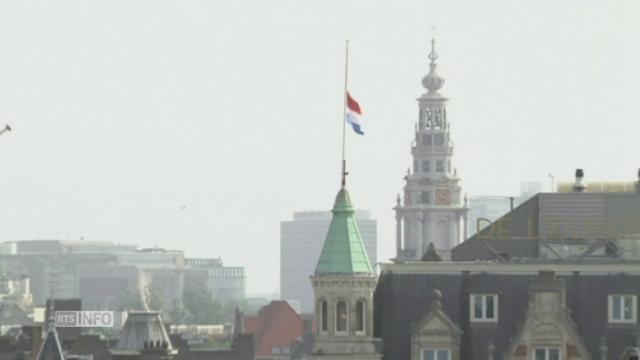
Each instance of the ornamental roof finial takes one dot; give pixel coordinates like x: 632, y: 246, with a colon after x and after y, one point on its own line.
x: 433, y: 56
x: 432, y: 81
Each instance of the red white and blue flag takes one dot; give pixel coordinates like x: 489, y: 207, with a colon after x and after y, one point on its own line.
x: 353, y: 115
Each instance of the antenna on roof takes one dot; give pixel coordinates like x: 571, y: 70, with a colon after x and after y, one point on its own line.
x: 51, y: 318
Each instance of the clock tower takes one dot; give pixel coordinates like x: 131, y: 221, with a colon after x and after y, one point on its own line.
x: 432, y: 209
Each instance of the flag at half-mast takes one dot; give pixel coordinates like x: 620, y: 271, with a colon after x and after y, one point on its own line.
x: 353, y: 114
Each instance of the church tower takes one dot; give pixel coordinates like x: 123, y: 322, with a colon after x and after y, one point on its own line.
x: 433, y: 210
x: 344, y: 283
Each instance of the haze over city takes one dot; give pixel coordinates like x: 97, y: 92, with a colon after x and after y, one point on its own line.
x: 201, y: 126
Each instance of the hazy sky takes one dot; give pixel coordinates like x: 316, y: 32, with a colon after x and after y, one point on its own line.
x: 200, y: 125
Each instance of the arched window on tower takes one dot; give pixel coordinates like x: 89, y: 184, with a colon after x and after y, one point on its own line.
x: 438, y: 119
x: 360, y: 317
x: 429, y: 117
x: 341, y: 317
x: 324, y: 319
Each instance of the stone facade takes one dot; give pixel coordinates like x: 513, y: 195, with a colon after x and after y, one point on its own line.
x: 435, y: 335
x: 344, y: 317
x: 548, y: 327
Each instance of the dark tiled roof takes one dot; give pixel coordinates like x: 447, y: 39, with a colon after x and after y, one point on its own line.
x: 241, y: 349
x: 554, y: 216
x: 403, y: 299
x: 91, y: 345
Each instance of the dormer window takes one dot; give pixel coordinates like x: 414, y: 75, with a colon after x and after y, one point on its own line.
x: 436, y: 354
x: 484, y: 307
x: 425, y: 166
x: 546, y: 353
x: 623, y: 309
x: 439, y: 166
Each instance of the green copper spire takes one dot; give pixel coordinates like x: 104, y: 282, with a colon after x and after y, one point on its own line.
x: 343, y: 251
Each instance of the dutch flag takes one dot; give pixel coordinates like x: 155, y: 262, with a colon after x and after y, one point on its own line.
x: 353, y: 114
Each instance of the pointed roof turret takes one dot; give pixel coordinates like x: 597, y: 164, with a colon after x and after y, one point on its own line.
x: 343, y: 252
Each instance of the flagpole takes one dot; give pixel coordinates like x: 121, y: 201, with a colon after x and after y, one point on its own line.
x: 344, y: 114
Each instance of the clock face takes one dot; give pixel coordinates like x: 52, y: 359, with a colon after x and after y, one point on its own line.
x: 442, y: 197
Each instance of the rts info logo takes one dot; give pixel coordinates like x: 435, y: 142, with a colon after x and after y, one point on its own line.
x: 84, y: 318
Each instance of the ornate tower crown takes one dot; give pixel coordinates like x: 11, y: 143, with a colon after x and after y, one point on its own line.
x: 432, y: 81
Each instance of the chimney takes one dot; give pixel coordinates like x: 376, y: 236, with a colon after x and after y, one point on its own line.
x: 578, y: 186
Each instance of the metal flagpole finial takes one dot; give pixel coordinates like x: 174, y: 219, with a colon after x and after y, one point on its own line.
x: 50, y: 322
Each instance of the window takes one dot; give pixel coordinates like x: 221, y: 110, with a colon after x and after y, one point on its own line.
x: 360, y: 315
x: 439, y: 166
x: 484, y: 307
x: 436, y: 354
x: 341, y: 317
x: 426, y: 139
x: 425, y: 166
x: 425, y: 197
x: 324, y: 326
x: 449, y: 166
x: 439, y: 139
x: 546, y: 353
x: 622, y: 308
